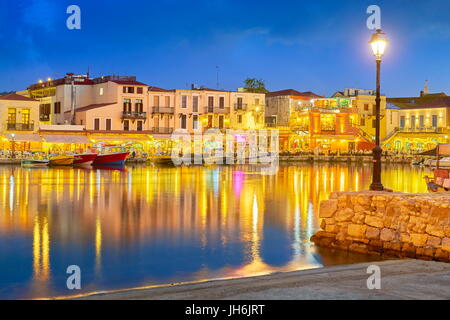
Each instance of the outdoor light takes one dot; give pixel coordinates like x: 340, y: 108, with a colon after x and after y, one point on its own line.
x: 378, y: 42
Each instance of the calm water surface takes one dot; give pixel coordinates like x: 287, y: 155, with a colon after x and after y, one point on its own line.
x: 144, y: 225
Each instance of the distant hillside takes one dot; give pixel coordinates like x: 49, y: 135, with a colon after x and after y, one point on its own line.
x: 6, y: 92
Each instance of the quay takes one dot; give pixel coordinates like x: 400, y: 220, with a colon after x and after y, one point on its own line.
x: 400, y: 279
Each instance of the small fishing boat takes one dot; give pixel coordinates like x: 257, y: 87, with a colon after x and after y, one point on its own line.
x: 111, y: 156
x: 84, y: 159
x: 61, y: 160
x: 164, y: 160
x: 34, y: 163
x: 441, y: 174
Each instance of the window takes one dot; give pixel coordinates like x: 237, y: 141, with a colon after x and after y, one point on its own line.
x: 57, y: 108
x: 96, y: 124
x: 26, y: 116
x: 184, y: 102
x: 220, y: 122
x: 167, y: 101
x: 139, y: 106
x: 421, y: 121
x: 362, y: 122
x: 256, y: 102
x: 156, y: 101
x: 195, y: 121
x: 374, y: 124
x: 221, y: 102
x: 239, y: 118
x: 108, y: 124
x: 44, y: 112
x: 434, y: 120
x: 210, y: 101
x: 413, y: 122
x: 100, y: 91
x: 139, y: 90
x: 366, y: 107
x: 183, y: 121
x: 126, y: 125
x: 128, y: 89
x: 195, y: 104
x: 126, y: 105
x: 11, y: 115
x: 139, y: 126
x: 239, y: 103
x: 210, y: 121
x: 402, y: 121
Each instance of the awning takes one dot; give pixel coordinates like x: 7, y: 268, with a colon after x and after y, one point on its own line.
x: 69, y: 138
x: 99, y: 138
x: 23, y: 137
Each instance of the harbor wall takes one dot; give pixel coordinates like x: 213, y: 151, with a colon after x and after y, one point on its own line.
x: 380, y: 223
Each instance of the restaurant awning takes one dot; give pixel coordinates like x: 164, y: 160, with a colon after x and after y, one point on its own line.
x: 122, y: 138
x: 69, y: 138
x: 23, y: 137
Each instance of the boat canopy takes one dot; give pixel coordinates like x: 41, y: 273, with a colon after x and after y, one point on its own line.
x: 68, y: 138
x: 443, y: 149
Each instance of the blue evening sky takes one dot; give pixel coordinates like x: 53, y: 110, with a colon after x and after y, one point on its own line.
x: 318, y: 45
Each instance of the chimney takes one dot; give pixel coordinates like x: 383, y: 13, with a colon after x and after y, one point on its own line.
x: 425, y: 90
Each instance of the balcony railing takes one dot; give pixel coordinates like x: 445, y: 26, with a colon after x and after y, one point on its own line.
x: 429, y: 129
x: 216, y: 110
x: 300, y: 128
x: 163, y: 110
x: 20, y: 126
x: 44, y: 117
x: 240, y: 107
x: 134, y: 115
x: 162, y: 130
x: 328, y: 128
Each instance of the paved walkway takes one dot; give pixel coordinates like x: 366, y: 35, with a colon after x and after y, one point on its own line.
x: 400, y: 279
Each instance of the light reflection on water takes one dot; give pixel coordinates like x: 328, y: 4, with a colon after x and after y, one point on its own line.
x: 147, y: 225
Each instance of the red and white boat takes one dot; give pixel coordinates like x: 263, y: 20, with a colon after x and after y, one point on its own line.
x: 111, y: 156
x: 84, y: 159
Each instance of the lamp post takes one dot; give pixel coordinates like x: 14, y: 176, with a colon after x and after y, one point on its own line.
x: 378, y: 43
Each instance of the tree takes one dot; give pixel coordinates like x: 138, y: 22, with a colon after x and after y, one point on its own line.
x: 255, y: 85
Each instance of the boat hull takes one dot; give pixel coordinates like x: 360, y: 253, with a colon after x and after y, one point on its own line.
x: 61, y: 161
x: 111, y: 159
x: 34, y: 163
x: 86, y: 159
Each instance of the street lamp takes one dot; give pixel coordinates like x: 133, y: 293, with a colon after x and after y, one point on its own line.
x: 378, y: 42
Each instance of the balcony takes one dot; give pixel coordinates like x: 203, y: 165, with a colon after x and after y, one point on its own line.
x: 169, y: 110
x: 240, y: 107
x: 300, y: 127
x: 216, y: 110
x: 162, y: 130
x: 44, y: 117
x: 20, y: 126
x: 424, y: 130
x: 134, y: 115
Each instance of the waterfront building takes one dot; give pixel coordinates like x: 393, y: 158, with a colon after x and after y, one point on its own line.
x: 421, y: 122
x: 307, y: 122
x: 19, y: 119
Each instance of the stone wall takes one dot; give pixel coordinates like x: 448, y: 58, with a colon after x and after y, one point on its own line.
x: 379, y: 223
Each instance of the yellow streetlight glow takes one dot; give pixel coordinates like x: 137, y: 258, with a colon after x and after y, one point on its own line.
x: 378, y: 42
x: 49, y: 79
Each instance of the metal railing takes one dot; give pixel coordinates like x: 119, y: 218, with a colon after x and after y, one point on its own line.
x: 163, y: 110
x: 44, y: 117
x: 216, y: 110
x: 20, y: 126
x: 429, y: 129
x: 134, y: 115
x: 240, y: 106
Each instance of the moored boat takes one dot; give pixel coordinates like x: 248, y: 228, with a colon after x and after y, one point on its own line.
x: 61, y: 160
x: 34, y: 163
x: 84, y: 159
x: 111, y: 156
x: 164, y: 160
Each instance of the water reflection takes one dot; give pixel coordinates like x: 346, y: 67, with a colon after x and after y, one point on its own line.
x: 147, y: 225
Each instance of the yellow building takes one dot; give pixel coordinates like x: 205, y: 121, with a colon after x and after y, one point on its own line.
x: 19, y: 119
x: 422, y: 122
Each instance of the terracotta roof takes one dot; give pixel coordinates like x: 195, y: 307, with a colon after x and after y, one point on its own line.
x: 292, y: 92
x: 427, y: 101
x: 91, y: 106
x: 129, y: 83
x: 15, y: 96
x: 156, y: 89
